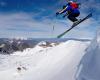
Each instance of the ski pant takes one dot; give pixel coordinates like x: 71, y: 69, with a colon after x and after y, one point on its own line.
x: 72, y: 16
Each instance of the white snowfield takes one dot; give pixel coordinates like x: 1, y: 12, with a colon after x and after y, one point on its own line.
x: 89, y: 68
x: 51, y: 63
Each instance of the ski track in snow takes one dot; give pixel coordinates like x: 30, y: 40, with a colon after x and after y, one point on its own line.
x: 52, y: 63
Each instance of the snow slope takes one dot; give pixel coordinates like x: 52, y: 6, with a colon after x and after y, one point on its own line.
x: 51, y: 63
x: 90, y: 63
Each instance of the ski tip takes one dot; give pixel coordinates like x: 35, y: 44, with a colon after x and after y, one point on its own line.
x: 58, y: 36
x: 90, y: 14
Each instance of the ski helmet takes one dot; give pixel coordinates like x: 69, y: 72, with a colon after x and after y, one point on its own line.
x: 70, y: 1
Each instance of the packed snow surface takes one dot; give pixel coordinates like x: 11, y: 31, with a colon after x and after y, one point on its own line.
x: 50, y: 63
x: 89, y: 68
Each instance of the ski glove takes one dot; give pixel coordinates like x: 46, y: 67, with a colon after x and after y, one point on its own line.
x: 57, y: 13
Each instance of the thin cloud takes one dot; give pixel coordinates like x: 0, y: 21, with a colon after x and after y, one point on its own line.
x: 3, y: 4
x: 24, y: 25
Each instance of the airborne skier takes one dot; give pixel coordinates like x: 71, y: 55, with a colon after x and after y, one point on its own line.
x: 71, y: 10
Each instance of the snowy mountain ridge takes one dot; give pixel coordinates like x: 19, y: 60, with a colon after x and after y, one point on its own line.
x: 68, y: 60
x: 11, y: 45
x: 39, y: 63
x: 90, y: 63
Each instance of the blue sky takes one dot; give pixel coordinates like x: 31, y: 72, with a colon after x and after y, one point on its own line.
x: 36, y: 18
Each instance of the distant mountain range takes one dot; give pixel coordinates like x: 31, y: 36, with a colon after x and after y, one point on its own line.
x: 8, y: 46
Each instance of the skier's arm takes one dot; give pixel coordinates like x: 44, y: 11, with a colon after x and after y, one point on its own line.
x: 63, y: 10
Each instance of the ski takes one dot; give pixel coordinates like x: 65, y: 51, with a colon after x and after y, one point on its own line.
x: 74, y: 25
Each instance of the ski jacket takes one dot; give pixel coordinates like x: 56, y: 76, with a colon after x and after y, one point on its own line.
x: 74, y: 5
x: 71, y: 10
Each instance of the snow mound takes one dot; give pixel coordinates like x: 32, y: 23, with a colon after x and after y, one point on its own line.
x: 42, y: 43
x: 40, y: 47
x: 90, y: 64
x: 47, y: 44
x: 51, y: 63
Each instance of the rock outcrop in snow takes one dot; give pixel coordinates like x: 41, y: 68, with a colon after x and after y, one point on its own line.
x: 90, y: 64
x: 8, y: 46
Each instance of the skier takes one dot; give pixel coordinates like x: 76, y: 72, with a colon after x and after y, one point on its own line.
x: 71, y: 10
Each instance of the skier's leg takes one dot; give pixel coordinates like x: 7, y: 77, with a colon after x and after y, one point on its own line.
x: 72, y: 18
